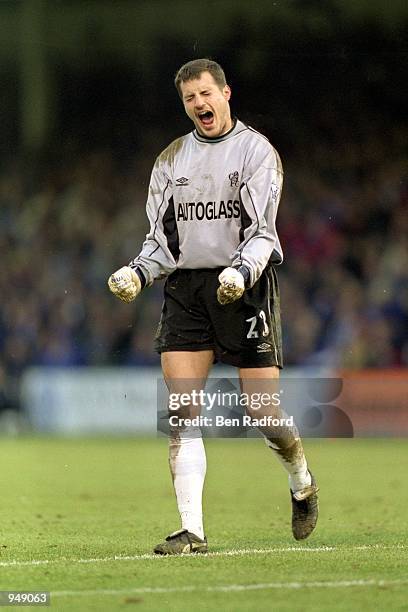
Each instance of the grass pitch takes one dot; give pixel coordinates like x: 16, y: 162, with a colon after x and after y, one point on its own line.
x: 79, y: 518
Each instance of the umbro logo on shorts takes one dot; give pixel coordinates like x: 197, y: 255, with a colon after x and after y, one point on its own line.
x: 263, y: 348
x: 180, y: 182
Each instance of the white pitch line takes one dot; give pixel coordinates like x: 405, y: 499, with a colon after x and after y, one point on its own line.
x: 21, y: 563
x: 227, y: 588
x: 148, y: 556
x: 226, y: 553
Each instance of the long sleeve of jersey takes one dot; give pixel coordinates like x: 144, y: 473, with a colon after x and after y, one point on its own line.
x: 156, y: 259
x: 260, y: 194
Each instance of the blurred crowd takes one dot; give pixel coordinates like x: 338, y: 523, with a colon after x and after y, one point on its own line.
x: 343, y: 225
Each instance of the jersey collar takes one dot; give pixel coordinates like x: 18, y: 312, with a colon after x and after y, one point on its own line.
x: 237, y: 127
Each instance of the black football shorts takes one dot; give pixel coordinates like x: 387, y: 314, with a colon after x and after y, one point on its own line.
x: 246, y: 333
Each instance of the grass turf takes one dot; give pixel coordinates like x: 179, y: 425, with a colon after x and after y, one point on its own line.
x: 76, y: 504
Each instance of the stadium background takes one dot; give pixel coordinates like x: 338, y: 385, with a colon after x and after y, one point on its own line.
x: 87, y: 102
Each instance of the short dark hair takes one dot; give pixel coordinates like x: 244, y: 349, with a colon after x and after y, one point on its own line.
x: 193, y: 70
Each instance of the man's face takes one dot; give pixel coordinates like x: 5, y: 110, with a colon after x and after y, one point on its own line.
x: 207, y: 105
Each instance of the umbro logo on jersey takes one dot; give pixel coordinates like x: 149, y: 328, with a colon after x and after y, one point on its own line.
x: 264, y: 348
x: 180, y: 182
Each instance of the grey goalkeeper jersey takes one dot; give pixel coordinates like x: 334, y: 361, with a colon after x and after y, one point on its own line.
x: 213, y: 203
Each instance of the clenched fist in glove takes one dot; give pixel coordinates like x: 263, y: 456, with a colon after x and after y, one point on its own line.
x: 232, y: 286
x: 125, y: 284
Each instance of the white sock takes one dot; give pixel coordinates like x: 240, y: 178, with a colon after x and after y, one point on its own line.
x: 188, y: 467
x: 299, y: 475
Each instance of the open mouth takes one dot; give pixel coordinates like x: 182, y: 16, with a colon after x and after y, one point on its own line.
x: 206, y: 118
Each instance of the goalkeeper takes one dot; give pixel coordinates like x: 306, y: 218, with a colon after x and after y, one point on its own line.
x: 212, y: 204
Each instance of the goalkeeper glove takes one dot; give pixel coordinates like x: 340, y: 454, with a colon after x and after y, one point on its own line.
x: 232, y: 286
x: 125, y: 284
